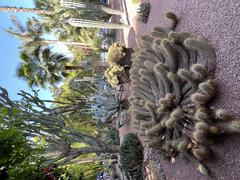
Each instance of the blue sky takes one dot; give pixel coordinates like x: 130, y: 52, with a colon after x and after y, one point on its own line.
x: 10, y: 53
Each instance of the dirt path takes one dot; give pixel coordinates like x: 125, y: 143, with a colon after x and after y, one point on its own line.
x: 218, y: 21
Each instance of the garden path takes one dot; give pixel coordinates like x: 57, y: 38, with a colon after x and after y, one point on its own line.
x: 219, y: 22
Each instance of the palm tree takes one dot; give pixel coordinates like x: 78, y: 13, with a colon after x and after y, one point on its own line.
x: 21, y: 9
x: 41, y: 66
x: 43, y: 7
x: 31, y: 34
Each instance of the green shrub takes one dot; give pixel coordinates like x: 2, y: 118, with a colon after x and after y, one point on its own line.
x: 131, y: 156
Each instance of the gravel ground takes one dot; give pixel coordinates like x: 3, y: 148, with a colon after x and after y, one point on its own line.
x: 219, y: 22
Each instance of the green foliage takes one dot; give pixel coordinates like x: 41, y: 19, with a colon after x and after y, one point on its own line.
x: 30, y: 168
x: 84, y: 125
x: 41, y: 66
x: 13, y: 145
x: 18, y: 157
x: 35, y: 119
x: 33, y: 33
x: 112, y: 136
x: 131, y: 156
x: 86, y: 171
x: 65, y: 91
x: 62, y: 173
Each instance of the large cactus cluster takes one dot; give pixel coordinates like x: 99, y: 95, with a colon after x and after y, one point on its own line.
x: 170, y: 94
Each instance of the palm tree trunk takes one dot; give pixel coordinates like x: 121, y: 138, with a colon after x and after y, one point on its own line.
x: 21, y: 9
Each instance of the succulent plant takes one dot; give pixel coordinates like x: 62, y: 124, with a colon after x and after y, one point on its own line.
x: 112, y: 74
x: 115, y: 52
x: 170, y: 94
x: 119, y: 63
x: 95, y: 24
x: 90, y: 6
x: 143, y: 11
x: 174, y: 19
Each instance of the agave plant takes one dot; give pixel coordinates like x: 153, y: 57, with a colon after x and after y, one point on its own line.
x: 103, y: 103
x: 106, y: 104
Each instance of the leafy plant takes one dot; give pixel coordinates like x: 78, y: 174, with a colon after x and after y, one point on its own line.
x: 131, y: 156
x: 112, y: 136
x: 17, y: 156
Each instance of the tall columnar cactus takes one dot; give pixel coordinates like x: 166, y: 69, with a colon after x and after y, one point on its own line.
x: 170, y: 96
x: 95, y: 24
x: 89, y: 6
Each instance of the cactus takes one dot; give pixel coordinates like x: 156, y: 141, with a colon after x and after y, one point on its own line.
x: 143, y: 12
x: 115, y: 52
x: 119, y: 64
x: 174, y: 19
x: 95, y: 24
x: 170, y: 96
x: 89, y: 6
x: 222, y: 114
x: 111, y: 74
